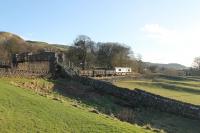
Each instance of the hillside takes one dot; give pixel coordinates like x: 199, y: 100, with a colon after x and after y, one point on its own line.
x: 25, y: 111
x: 12, y: 44
x: 87, y: 98
x: 45, y: 45
x: 169, y: 66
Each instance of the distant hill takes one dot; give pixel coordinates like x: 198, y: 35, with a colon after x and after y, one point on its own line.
x: 169, y: 66
x: 47, y: 46
x: 12, y: 44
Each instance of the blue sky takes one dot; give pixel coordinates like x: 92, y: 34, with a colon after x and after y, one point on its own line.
x: 161, y: 31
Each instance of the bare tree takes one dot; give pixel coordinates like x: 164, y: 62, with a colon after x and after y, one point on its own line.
x: 85, y: 49
x: 139, y: 64
x: 87, y: 54
x: 197, y: 62
x: 113, y: 54
x: 153, y: 68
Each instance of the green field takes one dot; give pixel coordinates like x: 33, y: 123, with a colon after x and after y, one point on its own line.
x: 24, y: 111
x: 183, y: 89
x: 67, y: 106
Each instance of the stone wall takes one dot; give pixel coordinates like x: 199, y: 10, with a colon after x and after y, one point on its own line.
x: 23, y: 73
x: 166, y: 104
x: 30, y: 69
x: 19, y: 73
x: 118, y: 78
x: 34, y: 66
x: 142, y: 98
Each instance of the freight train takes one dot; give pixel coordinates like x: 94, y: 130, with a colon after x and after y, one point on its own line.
x: 101, y: 72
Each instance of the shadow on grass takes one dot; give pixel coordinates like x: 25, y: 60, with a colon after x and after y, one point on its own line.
x: 113, y: 106
x: 172, y: 87
x: 177, y: 78
x: 178, y: 83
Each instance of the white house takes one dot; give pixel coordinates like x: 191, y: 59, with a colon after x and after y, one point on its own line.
x: 122, y: 70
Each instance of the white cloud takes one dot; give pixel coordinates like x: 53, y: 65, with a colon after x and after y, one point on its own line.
x: 155, y: 31
x: 173, y: 37
x: 178, y: 45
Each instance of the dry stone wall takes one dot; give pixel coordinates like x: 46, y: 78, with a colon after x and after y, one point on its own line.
x: 166, y: 104
x: 138, y: 97
x: 23, y: 73
x: 43, y: 66
x: 29, y: 69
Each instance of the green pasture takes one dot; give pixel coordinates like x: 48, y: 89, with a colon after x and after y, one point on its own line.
x: 24, y: 111
x: 186, y: 90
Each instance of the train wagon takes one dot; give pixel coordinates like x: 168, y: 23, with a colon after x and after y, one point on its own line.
x: 99, y: 73
x: 87, y: 73
x: 110, y: 72
x: 117, y: 71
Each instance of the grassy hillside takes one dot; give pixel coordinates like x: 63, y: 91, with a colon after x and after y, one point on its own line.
x: 9, y: 44
x: 44, y: 45
x: 87, y: 98
x: 183, y: 89
x: 25, y: 111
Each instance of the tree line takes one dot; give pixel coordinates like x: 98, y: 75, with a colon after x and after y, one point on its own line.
x: 87, y: 54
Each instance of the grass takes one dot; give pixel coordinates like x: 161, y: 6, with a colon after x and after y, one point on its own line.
x: 182, y: 89
x: 25, y: 111
x: 71, y: 110
x: 186, y: 90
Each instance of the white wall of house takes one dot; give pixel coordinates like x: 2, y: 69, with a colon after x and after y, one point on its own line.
x: 122, y: 69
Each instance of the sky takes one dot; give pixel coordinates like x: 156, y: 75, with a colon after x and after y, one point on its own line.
x: 162, y: 31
